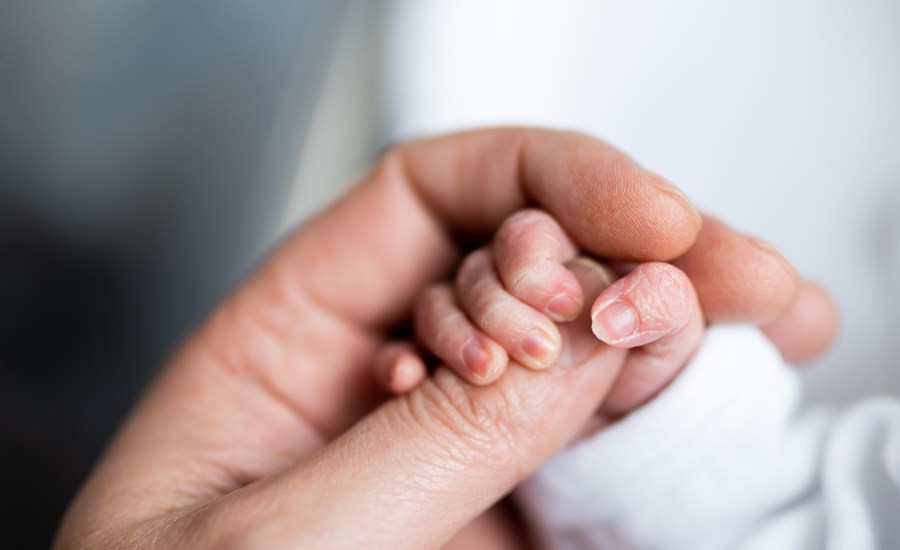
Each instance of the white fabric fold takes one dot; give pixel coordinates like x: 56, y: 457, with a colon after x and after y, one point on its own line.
x: 721, y: 459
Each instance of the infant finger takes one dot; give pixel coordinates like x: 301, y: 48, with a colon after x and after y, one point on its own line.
x: 527, y: 335
x: 655, y: 307
x: 398, y: 368
x: 444, y: 329
x: 530, y: 249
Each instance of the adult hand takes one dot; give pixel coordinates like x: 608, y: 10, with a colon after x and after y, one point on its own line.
x: 265, y: 429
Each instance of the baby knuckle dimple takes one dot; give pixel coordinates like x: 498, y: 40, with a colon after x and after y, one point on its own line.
x: 520, y: 225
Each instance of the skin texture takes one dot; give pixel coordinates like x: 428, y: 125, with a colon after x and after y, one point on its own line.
x: 730, y: 290
x: 808, y: 326
x: 501, y: 301
x: 665, y: 332
x: 266, y: 429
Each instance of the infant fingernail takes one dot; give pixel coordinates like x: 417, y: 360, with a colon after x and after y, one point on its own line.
x: 615, y: 322
x: 564, y: 307
x: 477, y: 359
x: 541, y: 348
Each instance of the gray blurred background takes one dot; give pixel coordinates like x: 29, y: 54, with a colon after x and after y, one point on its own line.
x: 147, y: 152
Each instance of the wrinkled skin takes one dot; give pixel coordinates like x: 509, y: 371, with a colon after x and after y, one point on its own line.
x: 265, y: 429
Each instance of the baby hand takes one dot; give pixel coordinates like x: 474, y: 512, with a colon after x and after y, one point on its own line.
x: 508, y: 297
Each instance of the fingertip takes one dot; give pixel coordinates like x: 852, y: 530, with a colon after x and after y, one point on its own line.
x: 739, y: 278
x: 541, y: 349
x: 564, y: 307
x: 406, y: 373
x: 779, y: 279
x: 609, y: 204
x: 484, y: 361
x: 685, y: 223
x: 649, y: 303
x: 398, y: 368
x: 526, y: 334
x: 445, y: 330
x: 614, y: 323
x: 808, y: 327
x: 668, y: 221
x: 382, y: 366
x: 477, y: 358
x: 669, y: 332
x: 528, y: 251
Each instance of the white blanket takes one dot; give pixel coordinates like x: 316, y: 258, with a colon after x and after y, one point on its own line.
x: 723, y: 459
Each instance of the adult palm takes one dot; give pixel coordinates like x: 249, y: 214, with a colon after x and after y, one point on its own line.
x: 266, y: 427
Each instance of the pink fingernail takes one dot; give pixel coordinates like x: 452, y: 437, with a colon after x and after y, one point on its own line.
x: 615, y: 322
x: 564, y: 307
x: 539, y: 347
x: 477, y: 359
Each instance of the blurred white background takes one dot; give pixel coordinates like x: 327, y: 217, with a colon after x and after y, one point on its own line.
x: 781, y: 118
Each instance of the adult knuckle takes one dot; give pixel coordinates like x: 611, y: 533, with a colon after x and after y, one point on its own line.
x: 471, y: 428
